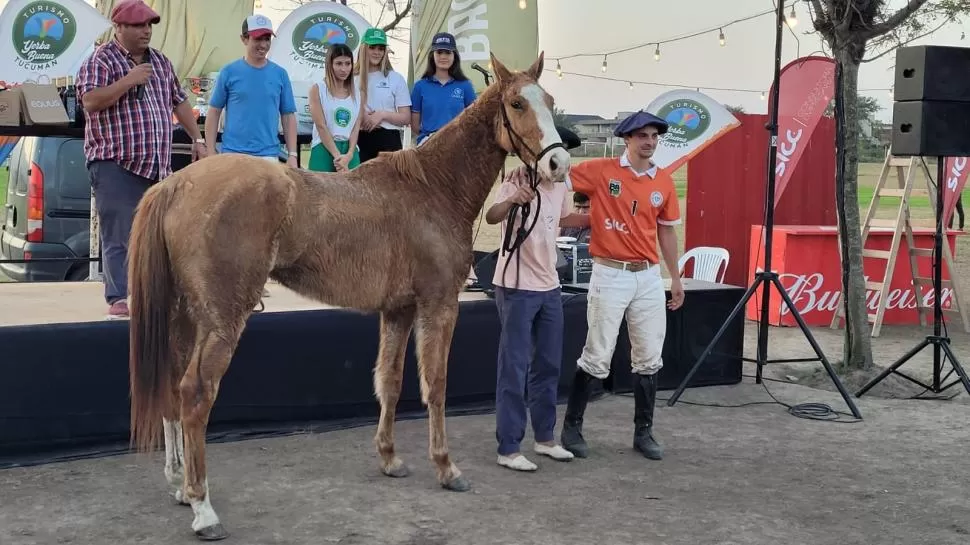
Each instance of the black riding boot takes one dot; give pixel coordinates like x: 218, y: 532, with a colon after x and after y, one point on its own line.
x: 572, y: 427
x: 645, y: 395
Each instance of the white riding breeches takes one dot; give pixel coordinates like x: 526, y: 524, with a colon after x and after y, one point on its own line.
x: 615, y: 294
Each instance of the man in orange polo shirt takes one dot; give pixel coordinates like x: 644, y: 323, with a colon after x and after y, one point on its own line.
x: 633, y: 204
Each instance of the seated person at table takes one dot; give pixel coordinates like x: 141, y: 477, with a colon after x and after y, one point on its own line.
x: 581, y: 206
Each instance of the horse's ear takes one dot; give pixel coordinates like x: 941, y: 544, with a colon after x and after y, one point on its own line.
x: 536, y: 69
x: 502, y: 74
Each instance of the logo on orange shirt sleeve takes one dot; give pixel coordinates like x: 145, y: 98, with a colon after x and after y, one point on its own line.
x: 656, y: 199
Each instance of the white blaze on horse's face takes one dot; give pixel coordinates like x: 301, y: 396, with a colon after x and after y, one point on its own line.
x: 554, y: 164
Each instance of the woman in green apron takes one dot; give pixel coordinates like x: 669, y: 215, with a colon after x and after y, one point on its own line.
x: 336, y: 109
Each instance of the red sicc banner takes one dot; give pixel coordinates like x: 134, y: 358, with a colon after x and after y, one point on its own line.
x: 807, y: 86
x: 955, y: 177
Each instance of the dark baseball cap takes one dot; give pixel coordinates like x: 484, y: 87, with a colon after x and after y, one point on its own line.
x: 443, y: 40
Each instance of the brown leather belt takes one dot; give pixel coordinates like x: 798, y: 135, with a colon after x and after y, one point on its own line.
x: 624, y: 265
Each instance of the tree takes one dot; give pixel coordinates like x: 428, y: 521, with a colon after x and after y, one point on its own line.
x: 561, y: 118
x: 399, y: 13
x: 734, y: 109
x: 850, y: 28
x: 871, y: 149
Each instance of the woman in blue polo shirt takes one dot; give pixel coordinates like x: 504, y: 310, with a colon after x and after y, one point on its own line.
x: 443, y: 91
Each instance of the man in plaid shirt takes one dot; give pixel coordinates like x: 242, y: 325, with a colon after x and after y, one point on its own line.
x: 129, y: 91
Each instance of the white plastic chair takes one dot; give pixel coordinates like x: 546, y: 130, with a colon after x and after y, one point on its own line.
x: 708, y: 263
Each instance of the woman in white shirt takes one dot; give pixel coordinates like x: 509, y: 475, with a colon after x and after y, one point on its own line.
x: 386, y: 95
x: 336, y: 110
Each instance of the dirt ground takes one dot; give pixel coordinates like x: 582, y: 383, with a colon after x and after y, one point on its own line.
x: 753, y: 476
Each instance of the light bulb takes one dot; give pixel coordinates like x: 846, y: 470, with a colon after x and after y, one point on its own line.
x: 721, y: 38
x: 604, y: 63
x: 523, y: 4
x: 558, y: 69
x: 656, y: 54
x: 762, y: 95
x: 792, y: 18
x: 631, y: 85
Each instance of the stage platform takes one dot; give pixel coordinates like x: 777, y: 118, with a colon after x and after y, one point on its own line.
x: 300, y: 365
x: 33, y: 303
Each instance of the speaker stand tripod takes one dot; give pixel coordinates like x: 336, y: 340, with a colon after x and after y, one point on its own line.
x: 939, y: 342
x: 768, y: 278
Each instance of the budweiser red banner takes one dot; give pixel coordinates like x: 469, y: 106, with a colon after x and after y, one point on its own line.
x: 955, y: 177
x: 806, y: 258
x: 807, y: 86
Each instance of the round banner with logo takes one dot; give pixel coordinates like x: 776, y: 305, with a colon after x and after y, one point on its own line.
x: 43, y: 40
x: 304, y: 37
x: 695, y: 120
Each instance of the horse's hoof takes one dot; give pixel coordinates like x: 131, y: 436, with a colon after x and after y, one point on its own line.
x: 458, y: 484
x: 398, y: 471
x: 212, y: 533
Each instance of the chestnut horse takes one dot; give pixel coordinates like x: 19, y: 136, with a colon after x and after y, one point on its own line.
x: 205, y: 240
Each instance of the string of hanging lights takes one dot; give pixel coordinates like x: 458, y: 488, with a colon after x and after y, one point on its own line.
x: 792, y: 20
x: 632, y: 83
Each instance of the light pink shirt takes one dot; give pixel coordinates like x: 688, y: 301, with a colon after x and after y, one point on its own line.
x: 538, y: 251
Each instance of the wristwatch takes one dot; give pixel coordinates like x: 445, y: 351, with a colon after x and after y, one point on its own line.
x: 292, y: 154
x: 200, y: 141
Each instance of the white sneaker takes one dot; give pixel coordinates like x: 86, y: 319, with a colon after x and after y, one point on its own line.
x: 556, y: 452
x: 519, y: 463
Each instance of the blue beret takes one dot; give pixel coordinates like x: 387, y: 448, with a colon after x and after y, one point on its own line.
x: 639, y: 120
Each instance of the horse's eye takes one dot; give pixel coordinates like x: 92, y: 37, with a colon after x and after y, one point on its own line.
x: 517, y: 104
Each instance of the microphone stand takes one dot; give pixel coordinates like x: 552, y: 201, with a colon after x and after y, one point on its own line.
x: 485, y: 73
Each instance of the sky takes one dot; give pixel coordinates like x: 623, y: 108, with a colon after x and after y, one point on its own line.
x: 570, y: 27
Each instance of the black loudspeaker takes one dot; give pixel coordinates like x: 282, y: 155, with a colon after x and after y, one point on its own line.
x: 931, y: 128
x: 931, y: 112
x: 932, y: 72
x: 701, y: 320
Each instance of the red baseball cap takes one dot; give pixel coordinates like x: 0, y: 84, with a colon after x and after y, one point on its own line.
x: 134, y: 12
x: 257, y: 26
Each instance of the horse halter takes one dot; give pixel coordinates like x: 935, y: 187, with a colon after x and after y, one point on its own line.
x: 522, y: 233
x: 513, y: 136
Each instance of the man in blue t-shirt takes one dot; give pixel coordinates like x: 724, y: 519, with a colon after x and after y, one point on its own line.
x: 256, y: 94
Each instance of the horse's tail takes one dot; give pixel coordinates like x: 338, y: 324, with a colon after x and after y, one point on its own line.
x: 152, y: 294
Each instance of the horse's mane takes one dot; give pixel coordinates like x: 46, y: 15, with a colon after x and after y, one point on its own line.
x: 407, y: 163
